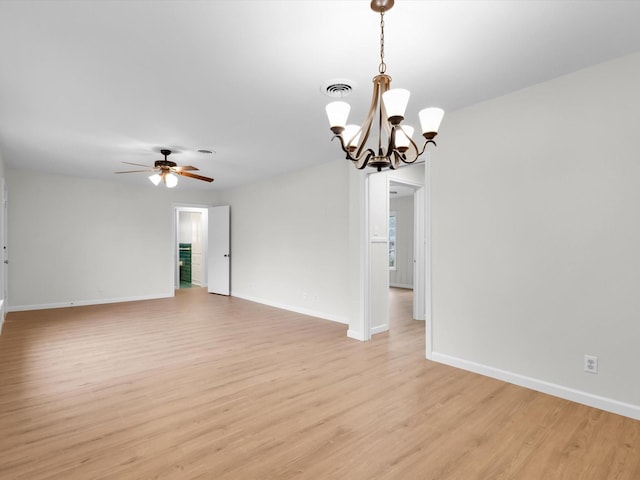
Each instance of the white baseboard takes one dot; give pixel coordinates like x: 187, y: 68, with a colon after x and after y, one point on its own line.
x: 380, y: 329
x: 46, y: 306
x: 355, y: 335
x: 292, y: 308
x: 401, y: 285
x: 2, y: 314
x: 578, y: 396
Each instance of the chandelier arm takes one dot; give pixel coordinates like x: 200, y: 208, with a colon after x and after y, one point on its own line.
x: 366, y: 125
x: 407, y: 161
x: 361, y: 164
x: 416, y: 150
x: 367, y: 154
x: 383, y: 122
x: 395, y: 162
x: 383, y: 112
x: 424, y: 147
x: 392, y: 142
x: 344, y: 148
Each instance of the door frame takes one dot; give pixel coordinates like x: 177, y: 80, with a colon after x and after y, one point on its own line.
x: 203, y: 209
x: 4, y: 267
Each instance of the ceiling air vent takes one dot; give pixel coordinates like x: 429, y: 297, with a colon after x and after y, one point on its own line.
x: 337, y: 88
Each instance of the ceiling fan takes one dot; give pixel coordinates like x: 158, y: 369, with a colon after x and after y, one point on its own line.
x: 165, y: 171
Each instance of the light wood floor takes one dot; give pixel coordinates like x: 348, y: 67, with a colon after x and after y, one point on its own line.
x: 208, y: 387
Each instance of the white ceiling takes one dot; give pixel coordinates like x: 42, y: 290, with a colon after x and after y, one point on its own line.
x: 85, y: 85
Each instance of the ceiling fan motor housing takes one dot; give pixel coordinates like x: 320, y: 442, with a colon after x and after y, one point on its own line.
x: 164, y: 164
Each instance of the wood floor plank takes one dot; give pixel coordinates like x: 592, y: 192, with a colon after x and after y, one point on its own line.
x: 207, y: 387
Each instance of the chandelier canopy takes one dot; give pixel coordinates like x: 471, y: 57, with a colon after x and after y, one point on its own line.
x: 394, y: 144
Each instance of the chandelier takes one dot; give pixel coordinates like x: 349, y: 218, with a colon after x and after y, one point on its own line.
x: 394, y: 145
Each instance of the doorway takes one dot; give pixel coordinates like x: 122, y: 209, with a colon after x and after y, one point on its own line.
x: 376, y: 277
x: 405, y: 238
x: 191, y: 247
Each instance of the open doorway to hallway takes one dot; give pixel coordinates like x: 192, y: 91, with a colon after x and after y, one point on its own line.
x: 404, y: 239
x: 376, y: 256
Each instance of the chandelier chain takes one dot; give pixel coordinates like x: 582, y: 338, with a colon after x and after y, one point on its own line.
x: 383, y: 66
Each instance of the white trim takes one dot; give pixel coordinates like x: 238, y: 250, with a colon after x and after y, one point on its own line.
x: 380, y: 329
x: 365, y: 252
x: 428, y: 299
x: 420, y: 262
x: 578, y: 396
x: 355, y: 335
x: 4, y: 257
x: 46, y: 306
x: 291, y: 308
x: 401, y: 285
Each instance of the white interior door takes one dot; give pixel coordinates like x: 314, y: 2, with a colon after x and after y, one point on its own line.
x: 218, y: 252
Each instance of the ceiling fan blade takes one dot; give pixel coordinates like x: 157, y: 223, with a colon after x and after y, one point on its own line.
x: 136, y: 171
x: 193, y: 175
x: 138, y: 164
x: 184, y: 167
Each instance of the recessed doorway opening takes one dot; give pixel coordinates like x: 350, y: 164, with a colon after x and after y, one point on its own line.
x: 191, y: 247
x: 406, y: 252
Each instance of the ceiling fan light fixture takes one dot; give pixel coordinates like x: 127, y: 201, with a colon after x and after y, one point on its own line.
x: 167, y: 171
x: 170, y: 180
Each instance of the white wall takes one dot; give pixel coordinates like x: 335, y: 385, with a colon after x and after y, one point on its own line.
x: 402, y: 276
x: 535, y: 230
x: 290, y: 241
x: 79, y: 241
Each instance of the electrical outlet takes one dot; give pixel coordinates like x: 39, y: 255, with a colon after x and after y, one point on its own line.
x: 591, y: 364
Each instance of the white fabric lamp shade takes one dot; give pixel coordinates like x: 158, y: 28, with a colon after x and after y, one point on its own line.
x: 338, y: 112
